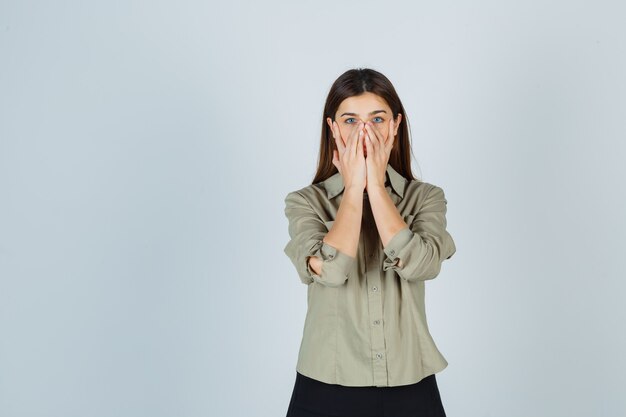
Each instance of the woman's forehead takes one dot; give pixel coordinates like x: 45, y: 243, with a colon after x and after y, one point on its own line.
x: 362, y: 105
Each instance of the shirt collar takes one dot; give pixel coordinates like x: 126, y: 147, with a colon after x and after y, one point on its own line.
x: 334, y: 183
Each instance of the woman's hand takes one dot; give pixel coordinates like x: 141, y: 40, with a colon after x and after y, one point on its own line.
x: 378, y: 151
x: 349, y: 157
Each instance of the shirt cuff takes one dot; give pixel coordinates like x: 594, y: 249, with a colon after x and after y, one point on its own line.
x: 336, y: 265
x: 396, y: 244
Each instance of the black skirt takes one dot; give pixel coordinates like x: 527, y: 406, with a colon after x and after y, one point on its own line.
x: 313, y: 398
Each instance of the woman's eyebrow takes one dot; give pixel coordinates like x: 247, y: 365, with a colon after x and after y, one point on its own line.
x: 371, y: 113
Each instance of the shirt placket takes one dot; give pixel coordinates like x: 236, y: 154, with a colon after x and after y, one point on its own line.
x: 375, y: 299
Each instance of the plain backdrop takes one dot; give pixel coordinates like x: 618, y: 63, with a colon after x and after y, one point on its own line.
x: 146, y: 148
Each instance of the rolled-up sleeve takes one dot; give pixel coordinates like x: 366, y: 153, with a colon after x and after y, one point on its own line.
x: 306, y: 232
x: 425, y: 244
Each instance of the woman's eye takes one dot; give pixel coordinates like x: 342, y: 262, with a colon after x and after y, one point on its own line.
x: 380, y: 120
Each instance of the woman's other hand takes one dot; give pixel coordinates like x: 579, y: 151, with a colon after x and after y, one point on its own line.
x: 379, y: 145
x: 349, y: 156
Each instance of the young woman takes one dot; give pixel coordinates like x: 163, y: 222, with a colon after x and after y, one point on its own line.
x: 364, y: 238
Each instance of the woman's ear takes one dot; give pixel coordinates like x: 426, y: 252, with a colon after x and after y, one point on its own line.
x: 330, y: 123
x: 396, y: 124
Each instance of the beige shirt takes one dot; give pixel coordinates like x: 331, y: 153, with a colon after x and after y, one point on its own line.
x: 366, y: 322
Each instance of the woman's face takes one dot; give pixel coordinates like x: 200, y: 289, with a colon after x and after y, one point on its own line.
x: 362, y: 108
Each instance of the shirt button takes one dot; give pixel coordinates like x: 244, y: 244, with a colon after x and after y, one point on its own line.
x: 374, y: 288
x: 331, y: 256
x: 379, y: 355
x: 376, y: 321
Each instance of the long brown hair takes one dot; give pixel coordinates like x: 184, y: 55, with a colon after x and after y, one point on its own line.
x: 353, y: 83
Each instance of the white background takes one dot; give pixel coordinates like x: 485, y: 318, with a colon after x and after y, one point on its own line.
x: 146, y: 148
